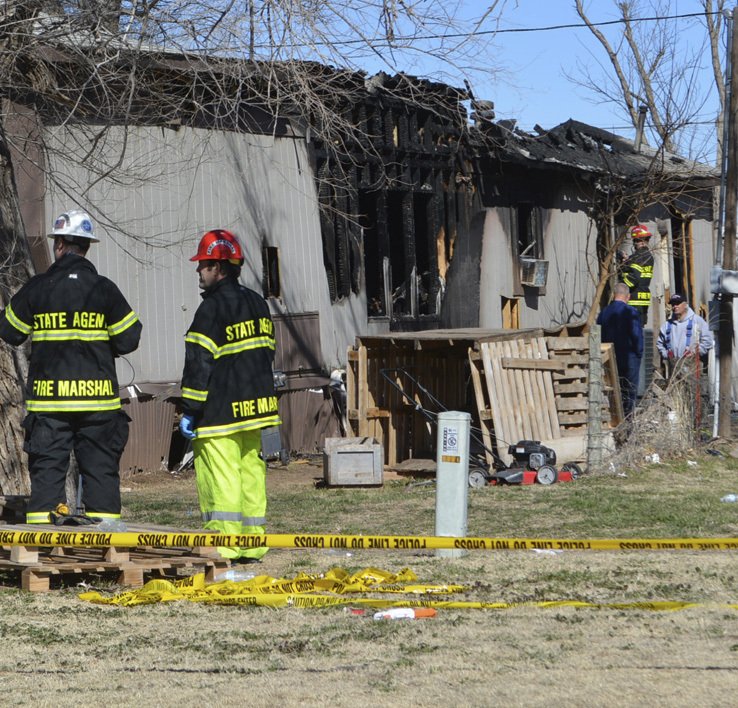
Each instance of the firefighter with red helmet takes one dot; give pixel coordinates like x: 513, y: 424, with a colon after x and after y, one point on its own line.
x: 228, y: 394
x: 78, y: 322
x: 636, y: 270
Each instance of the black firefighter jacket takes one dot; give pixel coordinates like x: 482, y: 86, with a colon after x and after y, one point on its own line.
x: 78, y: 322
x: 636, y: 273
x: 227, y: 383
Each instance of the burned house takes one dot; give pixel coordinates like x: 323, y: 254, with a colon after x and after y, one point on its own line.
x: 329, y: 238
x: 558, y: 205
x: 383, y: 210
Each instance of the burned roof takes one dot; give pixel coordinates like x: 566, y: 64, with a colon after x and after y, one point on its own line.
x: 587, y: 149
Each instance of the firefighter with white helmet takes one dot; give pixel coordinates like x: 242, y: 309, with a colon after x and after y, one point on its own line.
x: 75, y: 224
x: 636, y: 270
x: 78, y: 322
x: 228, y: 394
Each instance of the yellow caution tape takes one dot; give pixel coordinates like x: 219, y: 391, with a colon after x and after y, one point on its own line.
x: 91, y: 538
x: 265, y: 591
x: 272, y: 592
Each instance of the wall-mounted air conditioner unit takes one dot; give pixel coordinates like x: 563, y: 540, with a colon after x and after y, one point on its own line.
x: 533, y: 272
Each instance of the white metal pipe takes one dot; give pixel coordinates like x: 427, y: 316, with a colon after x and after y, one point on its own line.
x: 452, y: 477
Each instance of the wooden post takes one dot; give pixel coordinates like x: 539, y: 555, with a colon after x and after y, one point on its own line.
x: 725, y: 323
x: 594, y: 408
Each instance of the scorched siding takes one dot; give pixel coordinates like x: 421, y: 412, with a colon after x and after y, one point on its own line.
x: 179, y: 184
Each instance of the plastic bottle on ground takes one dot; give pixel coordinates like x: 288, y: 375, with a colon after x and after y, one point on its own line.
x: 730, y: 498
x: 111, y: 526
x: 236, y: 575
x: 405, y: 613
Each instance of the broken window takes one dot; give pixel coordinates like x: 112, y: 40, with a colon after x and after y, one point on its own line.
x: 400, y: 229
x: 341, y: 237
x: 531, y: 268
x: 529, y: 231
x: 271, y: 286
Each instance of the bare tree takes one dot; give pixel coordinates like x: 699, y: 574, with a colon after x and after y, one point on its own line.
x: 649, y: 63
x: 92, y: 64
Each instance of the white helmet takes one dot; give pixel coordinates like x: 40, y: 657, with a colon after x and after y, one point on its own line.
x: 74, y: 224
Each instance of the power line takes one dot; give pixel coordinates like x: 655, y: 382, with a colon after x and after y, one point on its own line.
x: 514, y: 30
x: 580, y: 25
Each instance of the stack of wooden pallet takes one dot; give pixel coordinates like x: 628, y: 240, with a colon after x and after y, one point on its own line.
x: 537, y: 389
x: 518, y: 385
x: 36, y: 567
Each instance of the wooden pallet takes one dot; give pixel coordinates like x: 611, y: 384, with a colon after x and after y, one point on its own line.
x: 571, y: 384
x: 514, y: 389
x: 37, y: 567
x: 537, y: 389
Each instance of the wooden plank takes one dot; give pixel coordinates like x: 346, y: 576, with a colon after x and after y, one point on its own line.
x: 378, y: 413
x: 570, y: 388
x: 499, y: 401
x: 116, y: 555
x: 534, y: 392
x: 485, y: 414
x: 522, y: 383
x: 362, y: 393
x: 534, y: 364
x: 556, y: 344
x: 576, y: 418
x: 610, y: 374
x: 573, y: 418
x: 393, y: 422
x: 205, y: 552
x: 572, y: 359
x: 575, y: 403
x: 352, y: 412
x: 575, y: 373
x: 549, y: 395
x: 539, y: 377
x: 34, y: 580
x: 131, y: 575
x: 517, y: 396
x: 24, y: 554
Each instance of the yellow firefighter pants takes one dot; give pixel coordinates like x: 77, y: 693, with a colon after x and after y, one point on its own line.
x: 231, y: 487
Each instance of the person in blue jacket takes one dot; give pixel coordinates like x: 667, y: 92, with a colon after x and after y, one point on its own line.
x: 621, y: 325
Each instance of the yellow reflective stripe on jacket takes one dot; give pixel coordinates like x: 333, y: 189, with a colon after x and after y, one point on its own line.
x: 37, y: 517
x: 58, y: 335
x: 643, y: 270
x: 72, y: 406
x: 118, y: 327
x: 202, y: 340
x: 252, y: 424
x: 245, y: 345
x: 18, y: 323
x: 194, y: 394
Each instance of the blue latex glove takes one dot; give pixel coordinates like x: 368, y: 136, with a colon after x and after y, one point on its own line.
x: 187, y: 426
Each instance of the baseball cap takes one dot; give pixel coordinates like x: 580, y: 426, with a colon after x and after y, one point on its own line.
x: 677, y: 299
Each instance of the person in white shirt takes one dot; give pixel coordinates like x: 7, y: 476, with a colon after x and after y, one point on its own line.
x: 684, y: 333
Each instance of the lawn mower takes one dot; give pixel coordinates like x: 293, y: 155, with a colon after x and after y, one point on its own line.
x: 533, y: 463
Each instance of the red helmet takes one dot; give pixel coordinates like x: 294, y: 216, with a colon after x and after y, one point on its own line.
x: 640, y: 231
x: 219, y: 245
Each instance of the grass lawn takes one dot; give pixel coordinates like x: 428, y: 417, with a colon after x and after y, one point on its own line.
x: 62, y: 651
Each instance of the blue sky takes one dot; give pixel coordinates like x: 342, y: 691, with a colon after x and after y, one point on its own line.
x: 532, y: 87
